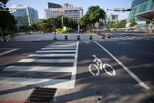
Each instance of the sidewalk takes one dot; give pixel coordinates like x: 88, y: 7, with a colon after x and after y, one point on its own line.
x: 50, y: 36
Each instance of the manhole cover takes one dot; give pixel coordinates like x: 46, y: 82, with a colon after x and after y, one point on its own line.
x: 41, y: 95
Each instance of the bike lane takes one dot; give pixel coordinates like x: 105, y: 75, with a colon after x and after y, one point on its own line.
x: 121, y: 88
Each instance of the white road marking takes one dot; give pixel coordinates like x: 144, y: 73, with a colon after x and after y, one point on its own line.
x: 58, y: 51
x: 58, y: 48
x: 66, y: 42
x: 54, y: 83
x: 47, y: 60
x: 39, y: 68
x: 6, y: 52
x: 61, y: 45
x: 51, y: 55
x: 141, y: 83
x: 48, y: 82
x: 73, y: 78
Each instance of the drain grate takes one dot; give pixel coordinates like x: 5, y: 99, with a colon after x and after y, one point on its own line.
x: 41, y: 95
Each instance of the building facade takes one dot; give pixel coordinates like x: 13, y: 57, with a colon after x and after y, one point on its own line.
x: 66, y: 10
x: 24, y: 12
x: 113, y: 18
x: 142, y: 11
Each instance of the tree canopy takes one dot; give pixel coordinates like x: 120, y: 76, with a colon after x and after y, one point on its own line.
x: 4, y: 1
x: 93, y: 15
x: 7, y: 20
x: 118, y: 24
x: 48, y: 25
x: 132, y: 23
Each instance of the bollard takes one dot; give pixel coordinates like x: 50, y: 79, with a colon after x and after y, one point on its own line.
x: 90, y: 37
x: 78, y: 37
x: 108, y: 35
x: 66, y: 37
x: 103, y: 36
x: 54, y: 36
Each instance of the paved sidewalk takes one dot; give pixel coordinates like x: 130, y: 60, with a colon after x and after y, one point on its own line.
x: 50, y: 36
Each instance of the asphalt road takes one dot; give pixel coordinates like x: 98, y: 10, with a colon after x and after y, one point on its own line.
x: 135, y: 52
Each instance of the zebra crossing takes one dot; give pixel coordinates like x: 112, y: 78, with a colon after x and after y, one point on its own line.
x: 54, y: 66
x: 134, y: 37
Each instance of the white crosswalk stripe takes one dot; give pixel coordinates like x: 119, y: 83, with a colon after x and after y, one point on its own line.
x: 131, y: 37
x: 58, y: 48
x: 39, y: 82
x: 58, y: 51
x: 51, y: 55
x: 39, y: 68
x: 127, y: 38
x: 47, y: 60
x: 61, y: 76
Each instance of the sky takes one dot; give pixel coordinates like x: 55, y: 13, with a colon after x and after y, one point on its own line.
x: 40, y: 5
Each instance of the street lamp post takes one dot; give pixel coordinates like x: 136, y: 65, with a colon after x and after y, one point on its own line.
x: 62, y: 18
x: 54, y: 31
x: 78, y: 26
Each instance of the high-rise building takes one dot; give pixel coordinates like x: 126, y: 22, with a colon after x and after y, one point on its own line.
x: 142, y: 11
x: 24, y: 12
x: 66, y: 10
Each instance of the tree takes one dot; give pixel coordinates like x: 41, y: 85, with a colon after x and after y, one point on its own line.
x: 132, y: 23
x: 121, y: 24
x: 93, y: 15
x: 53, y: 23
x: 25, y: 26
x: 25, y: 20
x: 118, y: 24
x: 4, y: 1
x: 7, y: 21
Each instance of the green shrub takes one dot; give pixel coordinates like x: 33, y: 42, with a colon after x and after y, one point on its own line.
x: 61, y: 30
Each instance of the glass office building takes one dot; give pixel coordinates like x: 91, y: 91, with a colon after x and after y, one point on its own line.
x: 19, y: 11
x: 142, y: 11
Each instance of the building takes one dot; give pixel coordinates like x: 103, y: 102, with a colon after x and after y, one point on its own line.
x: 67, y: 10
x: 113, y: 18
x: 24, y: 12
x: 142, y: 11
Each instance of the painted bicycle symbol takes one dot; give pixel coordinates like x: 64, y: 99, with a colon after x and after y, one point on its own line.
x: 98, y: 65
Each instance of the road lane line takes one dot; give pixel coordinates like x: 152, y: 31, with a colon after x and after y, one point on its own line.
x: 47, y: 60
x: 9, y: 51
x: 58, y: 51
x: 141, y: 83
x: 39, y: 68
